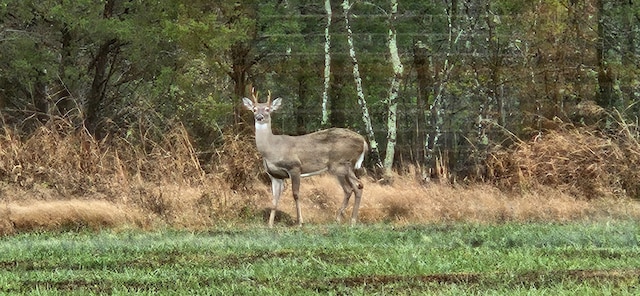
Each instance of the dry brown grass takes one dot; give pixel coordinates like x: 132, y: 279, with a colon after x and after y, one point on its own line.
x: 62, y: 178
x: 582, y: 162
x: 68, y: 215
x: 407, y: 202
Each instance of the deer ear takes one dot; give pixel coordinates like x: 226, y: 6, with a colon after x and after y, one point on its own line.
x: 247, y: 103
x: 276, y: 104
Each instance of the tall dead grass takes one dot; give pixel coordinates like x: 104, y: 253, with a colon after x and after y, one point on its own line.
x: 68, y: 215
x: 408, y: 202
x: 584, y: 162
x: 60, y: 177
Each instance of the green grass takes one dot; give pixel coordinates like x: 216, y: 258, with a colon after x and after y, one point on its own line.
x: 579, y: 258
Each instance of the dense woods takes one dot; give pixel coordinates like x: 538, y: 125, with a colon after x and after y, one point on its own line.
x: 437, y: 86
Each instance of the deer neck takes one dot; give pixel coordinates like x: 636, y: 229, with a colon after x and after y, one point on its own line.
x: 264, y: 136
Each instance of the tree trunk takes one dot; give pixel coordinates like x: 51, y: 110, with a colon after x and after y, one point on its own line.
x: 97, y: 92
x: 433, y: 155
x: 337, y: 104
x: 63, y: 100
x: 366, y: 118
x: 243, y: 55
x: 630, y: 54
x: 494, y: 98
x: 392, y: 122
x: 327, y: 64
x: 39, y: 97
x: 301, y: 104
x: 425, y: 86
x: 605, y: 96
x: 432, y: 145
x: 239, y: 72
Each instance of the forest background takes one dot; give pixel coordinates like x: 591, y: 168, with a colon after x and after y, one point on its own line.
x: 114, y: 100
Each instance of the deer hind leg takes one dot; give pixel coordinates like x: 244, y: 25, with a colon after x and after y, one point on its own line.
x: 295, y: 187
x: 357, y: 187
x: 276, y: 189
x: 353, y: 179
x: 356, y: 203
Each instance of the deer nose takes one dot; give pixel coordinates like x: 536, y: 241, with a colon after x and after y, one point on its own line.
x: 259, y: 117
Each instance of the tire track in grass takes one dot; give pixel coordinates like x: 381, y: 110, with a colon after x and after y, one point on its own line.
x: 537, y: 279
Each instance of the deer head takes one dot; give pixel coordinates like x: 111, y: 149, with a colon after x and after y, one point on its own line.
x: 261, y: 111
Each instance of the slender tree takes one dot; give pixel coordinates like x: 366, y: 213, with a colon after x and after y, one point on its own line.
x: 366, y: 118
x: 422, y: 66
x: 327, y: 63
x: 605, y: 95
x: 436, y: 109
x: 392, y: 104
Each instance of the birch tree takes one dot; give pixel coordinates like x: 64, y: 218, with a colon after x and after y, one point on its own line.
x: 436, y: 109
x: 327, y: 63
x: 392, y: 122
x: 366, y: 118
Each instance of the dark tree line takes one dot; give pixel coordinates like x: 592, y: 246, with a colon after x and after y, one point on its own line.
x: 474, y: 73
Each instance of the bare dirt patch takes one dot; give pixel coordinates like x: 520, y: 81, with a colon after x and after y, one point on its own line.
x: 539, y: 279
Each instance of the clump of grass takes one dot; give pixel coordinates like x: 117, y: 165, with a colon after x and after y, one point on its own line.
x: 239, y: 162
x: 54, y: 153
x: 584, y: 161
x: 72, y: 161
x: 578, y: 161
x: 68, y: 215
x: 171, y: 159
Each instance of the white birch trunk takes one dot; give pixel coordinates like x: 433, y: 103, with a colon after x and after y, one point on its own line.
x: 327, y: 64
x: 393, y: 91
x: 373, y: 144
x: 437, y: 108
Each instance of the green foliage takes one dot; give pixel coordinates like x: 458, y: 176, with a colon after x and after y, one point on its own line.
x: 444, y: 259
x: 513, y: 63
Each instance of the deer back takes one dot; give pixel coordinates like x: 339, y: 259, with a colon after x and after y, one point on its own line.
x: 316, y: 151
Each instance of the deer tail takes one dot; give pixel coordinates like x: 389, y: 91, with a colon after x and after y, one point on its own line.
x: 365, y: 148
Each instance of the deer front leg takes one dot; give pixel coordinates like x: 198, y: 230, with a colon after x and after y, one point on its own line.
x: 295, y: 187
x: 276, y: 189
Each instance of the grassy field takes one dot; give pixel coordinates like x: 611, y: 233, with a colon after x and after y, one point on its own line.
x: 576, y: 258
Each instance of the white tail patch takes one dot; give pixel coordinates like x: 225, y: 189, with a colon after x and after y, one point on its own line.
x: 361, y: 158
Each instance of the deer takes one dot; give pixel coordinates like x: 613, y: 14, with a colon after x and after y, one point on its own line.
x: 336, y: 151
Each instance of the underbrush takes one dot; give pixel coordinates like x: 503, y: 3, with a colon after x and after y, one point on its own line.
x: 60, y: 177
x: 583, y: 161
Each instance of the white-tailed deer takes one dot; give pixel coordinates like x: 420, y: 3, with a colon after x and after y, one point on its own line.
x: 337, y: 151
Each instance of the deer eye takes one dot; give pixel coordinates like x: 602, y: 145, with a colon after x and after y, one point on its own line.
x: 266, y: 109
x: 255, y: 109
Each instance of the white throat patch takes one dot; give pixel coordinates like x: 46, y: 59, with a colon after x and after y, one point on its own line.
x: 261, y: 126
